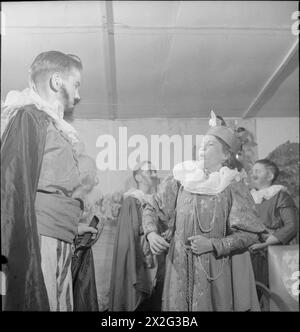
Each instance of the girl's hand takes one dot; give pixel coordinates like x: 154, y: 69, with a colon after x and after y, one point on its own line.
x: 258, y: 246
x: 200, y: 244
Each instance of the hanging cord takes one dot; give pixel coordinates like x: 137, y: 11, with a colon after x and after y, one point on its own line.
x: 190, y: 278
x: 189, y: 272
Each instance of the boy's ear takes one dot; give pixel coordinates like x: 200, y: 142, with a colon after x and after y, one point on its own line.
x: 55, y: 81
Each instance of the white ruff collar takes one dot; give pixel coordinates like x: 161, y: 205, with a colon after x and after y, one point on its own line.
x: 193, y: 178
x: 266, y: 193
x: 16, y: 99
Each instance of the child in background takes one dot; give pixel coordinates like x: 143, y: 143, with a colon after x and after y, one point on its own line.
x: 277, y: 211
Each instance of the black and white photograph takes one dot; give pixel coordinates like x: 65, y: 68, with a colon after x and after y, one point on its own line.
x: 149, y: 159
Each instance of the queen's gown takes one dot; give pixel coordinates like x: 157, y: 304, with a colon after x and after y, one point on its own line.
x: 222, y: 280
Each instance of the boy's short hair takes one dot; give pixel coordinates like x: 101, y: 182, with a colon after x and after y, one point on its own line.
x: 270, y: 165
x: 51, y: 62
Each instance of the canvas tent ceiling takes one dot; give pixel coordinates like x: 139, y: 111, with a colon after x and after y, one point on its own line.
x: 156, y: 59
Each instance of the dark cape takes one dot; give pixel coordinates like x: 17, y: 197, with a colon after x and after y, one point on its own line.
x: 129, y: 280
x: 83, y: 272
x: 22, y: 150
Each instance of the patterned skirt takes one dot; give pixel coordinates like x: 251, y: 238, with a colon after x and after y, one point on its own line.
x: 56, y: 266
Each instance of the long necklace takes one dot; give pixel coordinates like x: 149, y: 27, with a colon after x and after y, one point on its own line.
x: 210, y: 278
x: 208, y: 230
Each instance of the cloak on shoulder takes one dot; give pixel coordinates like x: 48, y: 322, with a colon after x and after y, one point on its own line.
x: 22, y: 150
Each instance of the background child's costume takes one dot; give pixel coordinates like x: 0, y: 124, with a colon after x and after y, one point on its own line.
x: 279, y: 214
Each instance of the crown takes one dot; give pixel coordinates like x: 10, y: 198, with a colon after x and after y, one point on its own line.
x: 219, y: 129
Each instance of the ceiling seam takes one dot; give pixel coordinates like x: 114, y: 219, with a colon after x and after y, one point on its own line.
x: 110, y: 60
x: 282, y: 71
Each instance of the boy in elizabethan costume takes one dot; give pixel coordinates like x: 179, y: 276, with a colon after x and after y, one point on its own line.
x: 137, y: 275
x: 39, y: 175
x: 208, y: 267
x: 277, y: 211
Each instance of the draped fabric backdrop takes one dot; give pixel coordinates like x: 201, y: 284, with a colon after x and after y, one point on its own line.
x: 111, y: 181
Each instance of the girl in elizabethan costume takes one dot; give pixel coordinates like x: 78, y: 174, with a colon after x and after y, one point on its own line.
x: 213, y: 221
x: 277, y: 211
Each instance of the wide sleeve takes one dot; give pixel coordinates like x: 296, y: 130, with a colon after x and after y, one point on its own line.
x: 243, y: 224
x: 162, y: 206
x: 289, y: 216
x: 22, y: 148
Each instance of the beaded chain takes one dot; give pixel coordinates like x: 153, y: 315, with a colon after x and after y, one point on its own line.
x: 210, y: 278
x: 198, y: 219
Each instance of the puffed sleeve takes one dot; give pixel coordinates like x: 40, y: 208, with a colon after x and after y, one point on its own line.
x: 289, y: 216
x: 162, y: 206
x: 243, y: 222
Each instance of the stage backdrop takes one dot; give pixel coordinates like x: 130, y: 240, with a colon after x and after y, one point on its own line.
x: 271, y: 132
x: 115, y: 180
